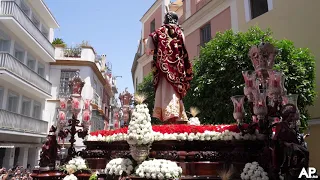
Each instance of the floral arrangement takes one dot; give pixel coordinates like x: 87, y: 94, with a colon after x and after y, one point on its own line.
x: 252, y: 171
x: 70, y: 177
x: 158, y: 169
x: 194, y: 120
x: 140, y: 129
x: 180, y: 132
x: 94, y: 176
x: 119, y: 166
x: 74, y: 165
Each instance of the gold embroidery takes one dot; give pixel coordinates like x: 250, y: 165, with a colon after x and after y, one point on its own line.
x: 174, y: 109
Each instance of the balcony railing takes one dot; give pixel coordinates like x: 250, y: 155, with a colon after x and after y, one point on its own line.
x: 17, y: 122
x: 10, y: 8
x: 72, y: 52
x: 13, y: 65
x: 97, y: 100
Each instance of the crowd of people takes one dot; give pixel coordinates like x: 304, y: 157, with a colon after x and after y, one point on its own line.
x: 16, y: 173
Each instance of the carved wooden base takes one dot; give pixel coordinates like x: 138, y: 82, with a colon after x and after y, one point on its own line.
x: 97, y: 163
x: 107, y: 177
x: 46, y: 175
x: 197, y: 158
x: 57, y: 175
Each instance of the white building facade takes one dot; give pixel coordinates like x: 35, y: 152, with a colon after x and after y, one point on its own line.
x: 91, y: 68
x: 26, y: 32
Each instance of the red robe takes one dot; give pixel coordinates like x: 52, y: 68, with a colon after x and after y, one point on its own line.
x: 171, y: 59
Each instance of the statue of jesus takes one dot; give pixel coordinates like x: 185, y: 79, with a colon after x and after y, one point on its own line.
x: 172, y: 71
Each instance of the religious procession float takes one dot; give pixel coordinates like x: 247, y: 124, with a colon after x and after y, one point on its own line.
x: 269, y: 147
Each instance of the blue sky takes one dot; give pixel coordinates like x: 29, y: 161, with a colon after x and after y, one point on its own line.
x: 112, y: 27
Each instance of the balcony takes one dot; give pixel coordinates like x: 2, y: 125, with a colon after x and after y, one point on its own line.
x: 20, y: 24
x: 16, y: 122
x: 80, y: 53
x: 97, y: 101
x: 13, y: 65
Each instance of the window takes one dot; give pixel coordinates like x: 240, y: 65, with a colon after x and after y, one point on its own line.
x: 66, y: 75
x: 36, y: 110
x: 1, y: 96
x: 4, y: 45
x: 45, y: 31
x: 18, y: 53
x: 35, y: 21
x: 25, y: 8
x: 4, y: 42
x: 31, y: 62
x: 153, y: 26
x: 25, y: 106
x: 258, y: 7
x: 13, y: 102
x: 95, y: 85
x: 205, y: 34
x: 41, y: 69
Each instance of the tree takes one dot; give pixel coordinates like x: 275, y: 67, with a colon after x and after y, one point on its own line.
x: 146, y: 88
x: 58, y: 41
x: 217, y: 73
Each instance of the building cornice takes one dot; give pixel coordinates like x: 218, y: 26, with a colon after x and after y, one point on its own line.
x: 151, y: 10
x: 204, y: 15
x: 43, y: 10
x: 134, y: 65
x: 89, y: 64
x: 54, y: 20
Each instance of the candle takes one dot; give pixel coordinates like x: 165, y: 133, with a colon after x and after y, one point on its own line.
x: 87, y: 103
x: 239, y: 108
x: 63, y: 103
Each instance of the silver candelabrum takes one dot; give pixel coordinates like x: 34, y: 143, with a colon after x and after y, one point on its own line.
x: 264, y: 89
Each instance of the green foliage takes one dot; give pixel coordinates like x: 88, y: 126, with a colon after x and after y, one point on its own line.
x: 84, y: 43
x: 218, y: 73
x: 146, y: 88
x: 58, y: 41
x: 94, y: 176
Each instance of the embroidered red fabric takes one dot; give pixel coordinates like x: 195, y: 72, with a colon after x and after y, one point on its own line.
x: 171, y: 59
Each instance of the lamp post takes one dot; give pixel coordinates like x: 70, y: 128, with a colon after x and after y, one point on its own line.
x: 74, y: 105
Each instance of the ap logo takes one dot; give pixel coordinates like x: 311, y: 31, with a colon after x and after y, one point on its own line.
x: 311, y: 173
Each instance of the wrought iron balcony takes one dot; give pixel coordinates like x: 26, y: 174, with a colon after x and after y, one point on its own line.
x: 97, y: 100
x: 17, y: 122
x: 11, y: 9
x: 10, y: 63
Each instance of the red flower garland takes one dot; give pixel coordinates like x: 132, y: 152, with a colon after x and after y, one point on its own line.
x: 177, y: 128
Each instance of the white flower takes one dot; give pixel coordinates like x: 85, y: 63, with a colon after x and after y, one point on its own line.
x: 70, y: 177
x: 140, y: 132
x: 252, y: 171
x: 194, y: 121
x: 118, y: 166
x: 140, y: 128
x: 82, y: 166
x: 75, y: 164
x: 159, y: 169
x: 72, y: 161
